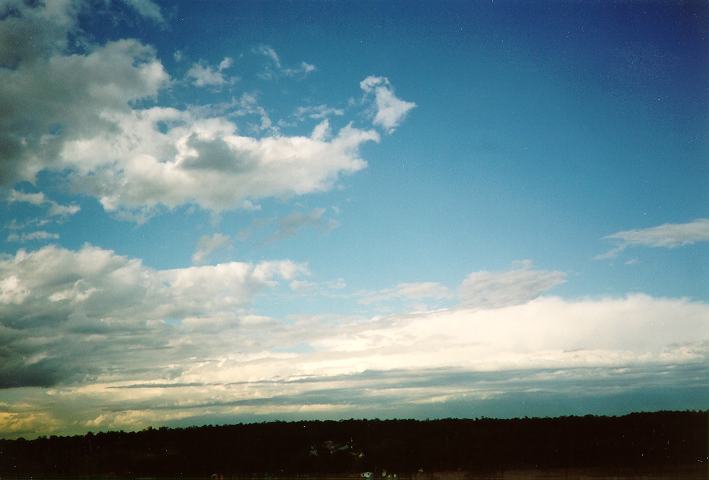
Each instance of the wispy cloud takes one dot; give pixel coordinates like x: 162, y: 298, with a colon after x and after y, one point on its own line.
x: 268, y: 230
x: 54, y: 209
x: 512, y: 287
x: 480, y: 289
x: 317, y: 112
x: 32, y: 236
x: 296, y: 221
x: 275, y: 68
x: 148, y: 9
x: 668, y: 235
x: 209, y: 244
x: 418, y: 292
x: 390, y: 110
x: 203, y: 75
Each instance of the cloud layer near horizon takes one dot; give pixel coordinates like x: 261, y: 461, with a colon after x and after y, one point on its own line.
x: 84, y: 322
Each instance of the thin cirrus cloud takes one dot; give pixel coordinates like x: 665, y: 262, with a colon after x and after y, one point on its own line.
x: 317, y: 112
x: 668, y: 235
x: 512, y: 287
x: 208, y: 245
x: 409, y: 291
x: 84, y: 124
x: 269, y: 230
x: 275, y: 68
x: 290, y: 224
x: 481, y: 289
x: 32, y: 236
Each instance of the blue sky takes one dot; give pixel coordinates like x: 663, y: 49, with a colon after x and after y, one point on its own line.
x: 261, y: 210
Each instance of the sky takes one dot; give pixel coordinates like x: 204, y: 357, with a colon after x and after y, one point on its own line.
x: 219, y: 212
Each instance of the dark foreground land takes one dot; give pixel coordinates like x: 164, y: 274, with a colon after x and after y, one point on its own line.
x: 641, y: 442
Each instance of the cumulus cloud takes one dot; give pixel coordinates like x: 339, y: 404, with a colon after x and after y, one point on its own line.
x: 206, y: 162
x: 47, y: 26
x: 51, y: 97
x: 66, y: 315
x: 668, y: 235
x: 208, y: 244
x: 205, y: 76
x: 82, y: 120
x: 390, y: 110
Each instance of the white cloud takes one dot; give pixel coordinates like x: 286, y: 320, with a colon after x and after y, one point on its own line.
x: 82, y: 121
x: 512, y: 287
x: 205, y: 76
x: 276, y: 69
x: 321, y: 131
x: 668, y: 235
x: 269, y: 52
x: 31, y: 198
x: 226, y: 62
x: 57, y: 210
x: 62, y: 304
x: 39, y: 199
x: 204, y: 161
x: 390, y: 110
x: 303, y: 69
x: 11, y: 291
x: 482, y: 289
x: 148, y: 9
x: 89, y: 321
x: 247, y: 105
x: 547, y: 332
x: 71, y: 97
x: 208, y: 244
x: 318, y: 112
x: 32, y: 236
x: 561, y: 346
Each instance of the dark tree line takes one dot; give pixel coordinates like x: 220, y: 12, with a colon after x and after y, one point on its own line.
x: 638, y: 440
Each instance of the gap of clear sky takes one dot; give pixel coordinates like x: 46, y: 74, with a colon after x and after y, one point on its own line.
x: 235, y: 211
